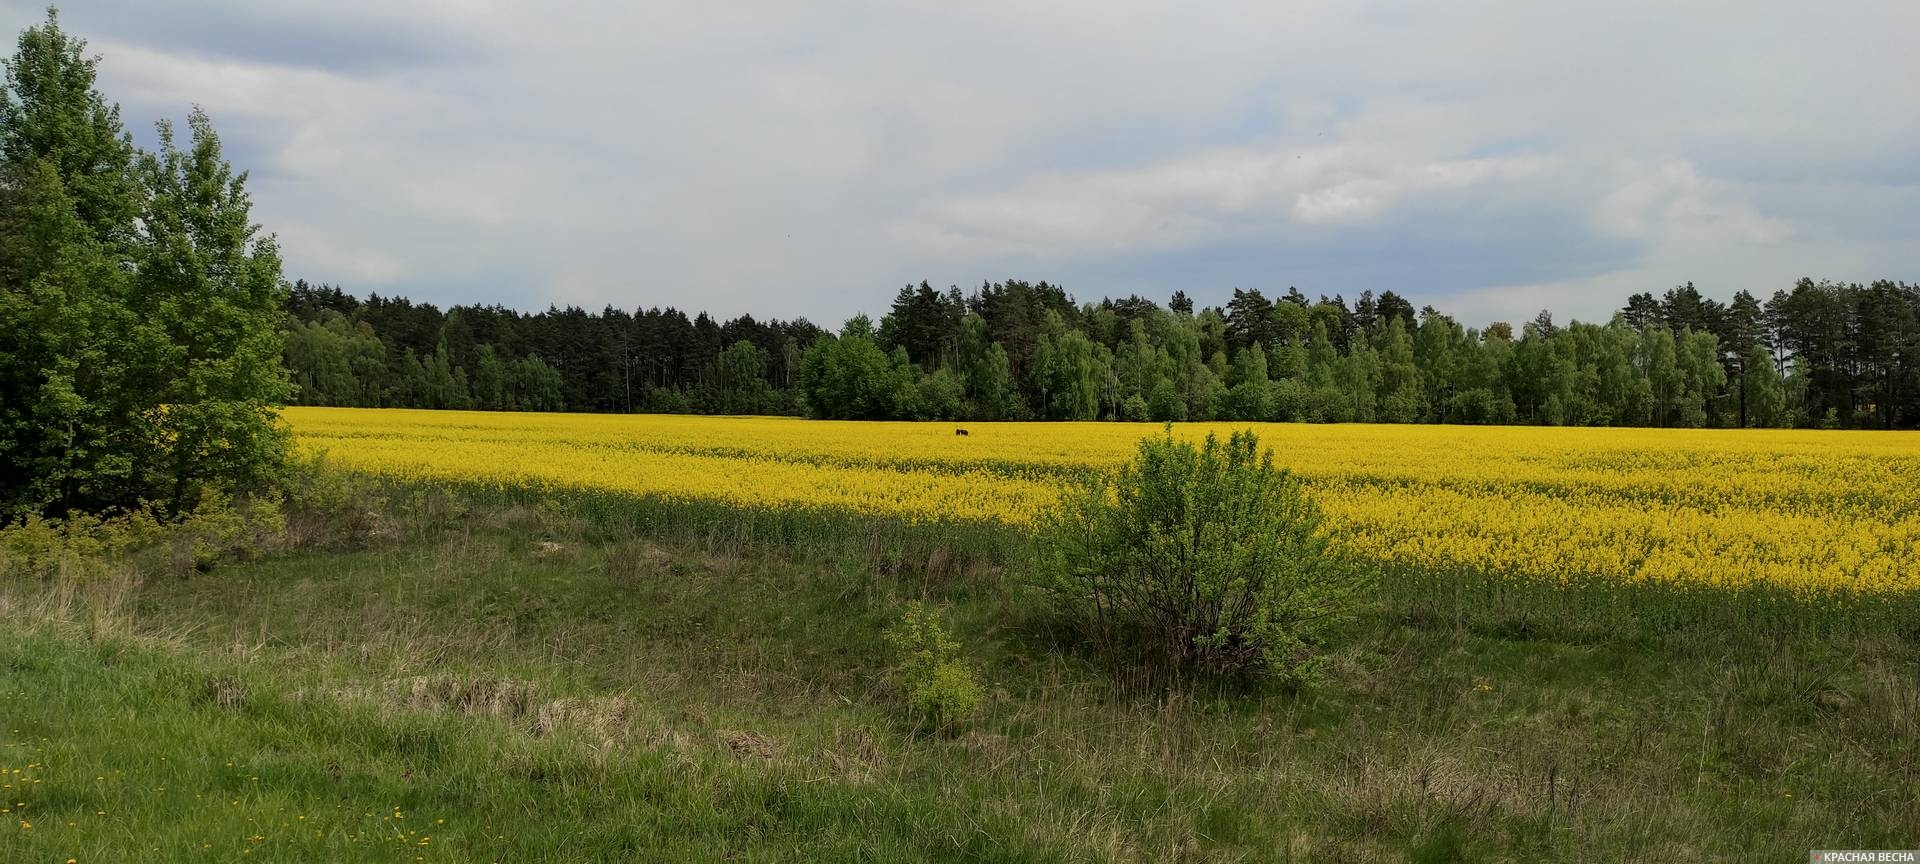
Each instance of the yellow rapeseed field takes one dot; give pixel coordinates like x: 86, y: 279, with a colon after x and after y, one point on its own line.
x: 1812, y: 511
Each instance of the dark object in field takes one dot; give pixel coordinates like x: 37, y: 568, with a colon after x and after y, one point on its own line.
x: 959, y: 431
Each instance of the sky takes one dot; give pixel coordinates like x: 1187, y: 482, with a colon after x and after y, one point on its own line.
x: 1488, y: 157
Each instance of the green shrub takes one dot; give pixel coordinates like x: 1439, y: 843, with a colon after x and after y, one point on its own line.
x: 1195, y: 560
x: 940, y: 687
x: 84, y: 545
x: 328, y: 505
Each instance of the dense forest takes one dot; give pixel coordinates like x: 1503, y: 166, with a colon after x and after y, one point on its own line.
x: 1821, y: 354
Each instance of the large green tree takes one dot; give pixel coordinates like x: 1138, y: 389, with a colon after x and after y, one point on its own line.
x: 209, y: 285
x: 140, y: 309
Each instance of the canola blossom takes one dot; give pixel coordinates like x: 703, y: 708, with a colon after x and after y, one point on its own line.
x: 1811, y: 511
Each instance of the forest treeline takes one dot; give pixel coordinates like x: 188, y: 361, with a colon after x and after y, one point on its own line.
x: 1818, y: 354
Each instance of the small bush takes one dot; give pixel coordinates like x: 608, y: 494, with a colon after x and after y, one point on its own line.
x: 1195, y: 560
x: 940, y: 687
x: 85, y: 546
x: 328, y: 505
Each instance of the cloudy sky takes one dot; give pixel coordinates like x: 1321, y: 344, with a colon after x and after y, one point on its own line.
x: 1490, y: 157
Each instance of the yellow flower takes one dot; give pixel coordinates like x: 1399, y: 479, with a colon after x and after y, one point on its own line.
x: 1816, y: 511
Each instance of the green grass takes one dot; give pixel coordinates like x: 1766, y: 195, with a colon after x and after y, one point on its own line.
x: 523, y: 687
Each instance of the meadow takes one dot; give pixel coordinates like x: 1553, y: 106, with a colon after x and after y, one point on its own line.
x: 653, y: 638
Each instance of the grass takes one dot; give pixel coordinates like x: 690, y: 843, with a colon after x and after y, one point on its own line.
x: 501, y: 683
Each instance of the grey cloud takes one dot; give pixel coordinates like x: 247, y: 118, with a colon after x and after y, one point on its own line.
x: 337, y: 37
x: 806, y: 159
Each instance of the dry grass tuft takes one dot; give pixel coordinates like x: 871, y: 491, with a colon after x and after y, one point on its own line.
x: 855, y: 755
x: 606, y: 718
x: 752, y: 744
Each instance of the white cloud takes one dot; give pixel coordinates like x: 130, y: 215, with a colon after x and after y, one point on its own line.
x: 1667, y: 203
x: 1208, y: 198
x: 794, y: 159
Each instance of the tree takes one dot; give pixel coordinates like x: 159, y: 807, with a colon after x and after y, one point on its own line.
x: 1887, y: 346
x: 1250, y: 398
x: 1074, y: 368
x: 1359, y: 381
x: 1818, y: 330
x: 925, y: 322
x: 740, y: 379
x: 67, y: 204
x: 1660, y: 363
x: 70, y: 418
x: 1746, y: 330
x: 141, y: 308
x: 1685, y: 308
x: 1249, y: 320
x: 1703, y: 381
x: 849, y: 378
x: 1642, y: 311
x: 1400, y: 395
x: 334, y: 361
x: 939, y: 395
x: 988, y: 375
x: 1164, y: 405
x: 52, y: 112
x: 1392, y: 307
x: 210, y: 283
x: 1763, y: 396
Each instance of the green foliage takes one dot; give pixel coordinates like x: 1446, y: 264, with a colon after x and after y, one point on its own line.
x: 987, y: 372
x: 1401, y: 399
x: 518, y: 384
x: 142, y: 542
x: 433, y: 381
x: 1165, y: 404
x: 939, y: 395
x: 1287, y: 400
x: 326, y: 506
x: 1763, y: 395
x: 1072, y: 369
x: 50, y: 112
x: 740, y: 379
x: 940, y: 687
x: 1195, y: 560
x: 140, y: 310
x: 1249, y: 400
x: 1022, y: 351
x: 850, y: 378
x: 340, y: 362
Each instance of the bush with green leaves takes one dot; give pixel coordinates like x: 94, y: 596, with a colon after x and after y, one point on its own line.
x: 1190, y: 560
x: 940, y: 687
x: 140, y: 542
